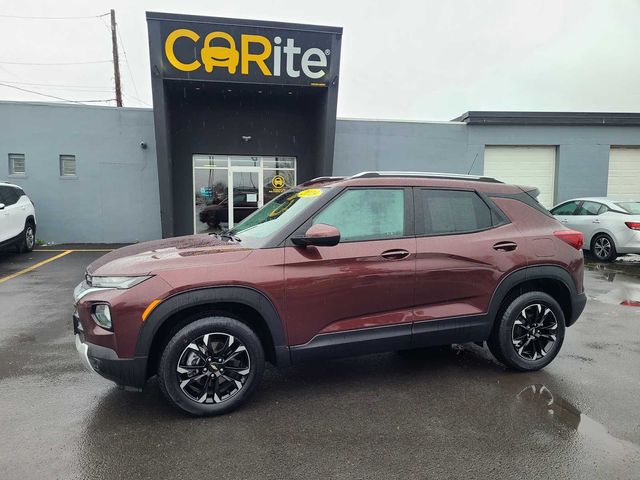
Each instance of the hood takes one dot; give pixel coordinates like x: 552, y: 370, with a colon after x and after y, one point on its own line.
x: 178, y: 252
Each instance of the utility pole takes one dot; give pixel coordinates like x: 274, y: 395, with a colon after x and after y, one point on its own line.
x: 116, y: 63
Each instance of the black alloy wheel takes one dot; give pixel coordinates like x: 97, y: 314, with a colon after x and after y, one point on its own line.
x: 534, y: 331
x: 211, y: 365
x: 528, y: 331
x: 213, y: 368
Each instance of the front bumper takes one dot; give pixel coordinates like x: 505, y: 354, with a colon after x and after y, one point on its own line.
x: 127, y: 373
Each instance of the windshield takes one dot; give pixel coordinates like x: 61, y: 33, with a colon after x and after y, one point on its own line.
x: 276, y: 214
x: 631, y: 207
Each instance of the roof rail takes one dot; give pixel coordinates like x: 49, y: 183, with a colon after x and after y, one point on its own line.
x: 448, y: 176
x: 322, y: 179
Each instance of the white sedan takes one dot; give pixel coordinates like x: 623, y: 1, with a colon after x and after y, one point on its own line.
x: 610, y: 227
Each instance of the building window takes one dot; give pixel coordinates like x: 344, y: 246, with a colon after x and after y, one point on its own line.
x: 67, y: 165
x: 17, y: 165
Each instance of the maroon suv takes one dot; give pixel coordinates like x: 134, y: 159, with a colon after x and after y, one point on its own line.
x: 337, y: 266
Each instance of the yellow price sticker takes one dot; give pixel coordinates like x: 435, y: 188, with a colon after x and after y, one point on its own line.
x: 310, y: 192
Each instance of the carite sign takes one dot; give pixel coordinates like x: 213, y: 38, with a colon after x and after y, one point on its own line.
x: 236, y: 53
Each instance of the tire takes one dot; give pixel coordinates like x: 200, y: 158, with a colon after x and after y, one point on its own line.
x: 211, y: 390
x: 603, y: 248
x: 28, y: 238
x: 518, y: 344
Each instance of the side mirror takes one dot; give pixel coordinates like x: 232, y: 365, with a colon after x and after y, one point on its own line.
x: 320, y: 235
x: 1, y: 206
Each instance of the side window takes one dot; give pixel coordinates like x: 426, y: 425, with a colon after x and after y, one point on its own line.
x: 603, y: 209
x: 565, y: 209
x: 453, y: 211
x: 366, y: 214
x: 589, y: 208
x: 8, y: 196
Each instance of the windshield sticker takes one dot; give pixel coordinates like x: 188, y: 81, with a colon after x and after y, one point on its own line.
x: 310, y: 192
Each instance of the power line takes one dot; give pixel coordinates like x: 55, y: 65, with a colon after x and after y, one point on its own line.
x: 94, y: 87
x: 52, y: 18
x: 126, y: 60
x: 56, y: 63
x: 54, y: 96
x: 136, y: 98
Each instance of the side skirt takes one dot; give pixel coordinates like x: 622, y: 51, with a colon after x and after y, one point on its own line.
x: 393, y: 337
x: 353, y: 342
x: 431, y: 333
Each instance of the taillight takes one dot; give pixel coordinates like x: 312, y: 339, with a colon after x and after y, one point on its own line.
x: 633, y: 225
x: 571, y: 237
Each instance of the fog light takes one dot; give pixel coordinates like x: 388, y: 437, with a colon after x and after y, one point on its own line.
x: 102, y: 315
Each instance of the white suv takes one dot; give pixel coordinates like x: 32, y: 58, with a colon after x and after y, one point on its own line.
x: 17, y: 218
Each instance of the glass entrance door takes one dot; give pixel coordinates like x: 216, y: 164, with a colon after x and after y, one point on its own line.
x: 245, y: 185
x: 229, y: 188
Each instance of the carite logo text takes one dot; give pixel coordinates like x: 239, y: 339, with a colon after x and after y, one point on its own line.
x: 273, y: 57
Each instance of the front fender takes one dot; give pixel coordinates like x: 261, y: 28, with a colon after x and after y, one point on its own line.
x: 203, y: 296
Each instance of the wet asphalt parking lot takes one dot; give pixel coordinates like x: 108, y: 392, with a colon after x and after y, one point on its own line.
x: 445, y: 413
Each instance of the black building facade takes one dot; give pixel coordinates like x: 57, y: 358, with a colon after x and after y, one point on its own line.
x: 242, y: 110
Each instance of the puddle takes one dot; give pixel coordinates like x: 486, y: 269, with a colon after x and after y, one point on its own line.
x: 557, y: 409
x: 624, y: 289
x: 627, y: 268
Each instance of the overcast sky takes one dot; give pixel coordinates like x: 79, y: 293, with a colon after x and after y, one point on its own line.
x: 401, y: 59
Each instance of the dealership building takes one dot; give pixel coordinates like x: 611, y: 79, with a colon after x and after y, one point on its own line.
x: 244, y: 110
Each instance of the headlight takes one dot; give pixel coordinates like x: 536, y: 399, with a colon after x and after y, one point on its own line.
x: 102, y: 315
x: 115, y: 282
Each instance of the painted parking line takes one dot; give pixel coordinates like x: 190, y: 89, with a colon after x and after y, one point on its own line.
x: 37, y: 265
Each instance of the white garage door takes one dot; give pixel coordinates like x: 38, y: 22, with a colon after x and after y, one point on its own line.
x: 533, y: 166
x: 624, y: 173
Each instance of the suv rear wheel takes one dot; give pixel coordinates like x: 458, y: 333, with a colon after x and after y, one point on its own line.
x: 211, y: 366
x: 529, y: 332
x: 28, y: 239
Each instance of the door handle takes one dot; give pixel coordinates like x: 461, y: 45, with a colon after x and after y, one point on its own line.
x: 564, y: 220
x: 505, y: 246
x: 596, y: 221
x: 397, y: 254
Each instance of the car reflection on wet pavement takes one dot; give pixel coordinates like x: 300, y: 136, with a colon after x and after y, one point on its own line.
x: 625, y: 288
x: 539, y: 400
x: 436, y: 413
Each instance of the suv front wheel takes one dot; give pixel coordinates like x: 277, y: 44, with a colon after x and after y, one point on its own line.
x: 529, y: 332
x: 211, y: 366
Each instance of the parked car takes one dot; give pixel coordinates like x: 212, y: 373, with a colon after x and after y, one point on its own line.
x: 217, y: 213
x: 611, y: 227
x: 17, y: 218
x: 334, y: 267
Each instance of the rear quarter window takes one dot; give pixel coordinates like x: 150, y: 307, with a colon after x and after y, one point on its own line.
x: 8, y: 195
x: 631, y: 207
x: 452, y: 211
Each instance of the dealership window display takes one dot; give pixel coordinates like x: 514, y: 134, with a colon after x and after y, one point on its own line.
x: 229, y: 188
